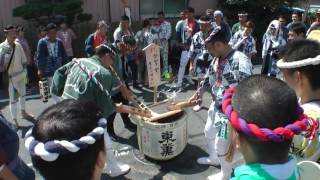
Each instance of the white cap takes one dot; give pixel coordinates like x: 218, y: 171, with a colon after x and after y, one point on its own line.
x: 218, y: 13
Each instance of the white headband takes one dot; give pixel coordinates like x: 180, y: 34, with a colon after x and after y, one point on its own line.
x: 296, y: 64
x: 51, y: 150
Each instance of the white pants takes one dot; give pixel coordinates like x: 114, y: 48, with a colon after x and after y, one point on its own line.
x: 221, y: 145
x: 182, y: 68
x: 17, y: 84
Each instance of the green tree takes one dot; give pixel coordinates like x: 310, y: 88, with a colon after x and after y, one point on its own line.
x: 43, y: 11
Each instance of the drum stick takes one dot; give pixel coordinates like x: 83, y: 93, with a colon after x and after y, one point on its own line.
x: 182, y: 105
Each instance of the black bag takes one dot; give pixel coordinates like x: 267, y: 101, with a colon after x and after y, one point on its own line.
x: 4, y: 62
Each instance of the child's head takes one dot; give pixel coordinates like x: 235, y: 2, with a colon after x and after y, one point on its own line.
x: 299, y: 72
x: 67, y: 141
x: 297, y: 31
x: 268, y: 103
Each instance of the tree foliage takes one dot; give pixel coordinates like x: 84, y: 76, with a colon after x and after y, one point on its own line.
x: 52, y: 10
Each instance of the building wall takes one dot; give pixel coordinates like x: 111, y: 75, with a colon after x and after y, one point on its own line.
x: 98, y: 9
x: 6, y: 8
x: 200, y: 6
x: 316, y: 2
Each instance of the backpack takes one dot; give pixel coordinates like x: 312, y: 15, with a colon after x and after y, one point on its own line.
x: 6, y: 58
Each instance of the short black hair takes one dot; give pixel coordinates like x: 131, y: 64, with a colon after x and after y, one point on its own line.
x: 190, y: 9
x: 299, y: 50
x: 20, y: 28
x: 103, y: 50
x: 298, y: 28
x: 41, y: 29
x: 216, y: 35
x: 205, y: 18
x: 68, y: 120
x: 124, y: 18
x: 146, y: 23
x: 268, y: 103
x: 161, y: 13
x: 51, y: 26
x: 282, y: 16
x: 297, y: 13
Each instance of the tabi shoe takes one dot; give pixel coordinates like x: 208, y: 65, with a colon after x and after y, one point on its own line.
x: 116, y: 169
x: 208, y: 161
x: 218, y: 176
x: 197, y: 108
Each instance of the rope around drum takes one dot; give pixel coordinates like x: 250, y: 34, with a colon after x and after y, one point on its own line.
x: 50, y: 151
x: 279, y: 134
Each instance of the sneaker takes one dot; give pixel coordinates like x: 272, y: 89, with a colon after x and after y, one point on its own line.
x: 178, y: 89
x: 197, y: 108
x: 116, y: 169
x: 208, y: 161
x: 189, y: 79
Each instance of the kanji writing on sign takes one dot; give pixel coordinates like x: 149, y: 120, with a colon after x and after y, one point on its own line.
x: 153, y: 64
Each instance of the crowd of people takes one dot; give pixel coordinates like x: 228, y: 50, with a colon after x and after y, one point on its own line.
x: 269, y: 120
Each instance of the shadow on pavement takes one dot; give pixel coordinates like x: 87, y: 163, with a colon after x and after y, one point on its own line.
x: 185, y: 163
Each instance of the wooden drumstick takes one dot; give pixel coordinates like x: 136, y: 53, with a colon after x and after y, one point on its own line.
x: 182, y: 105
x: 157, y: 117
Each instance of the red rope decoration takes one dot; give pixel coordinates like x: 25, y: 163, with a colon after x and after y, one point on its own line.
x: 279, y: 134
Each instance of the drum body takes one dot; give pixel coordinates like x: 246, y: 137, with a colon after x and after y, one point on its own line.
x: 162, y: 140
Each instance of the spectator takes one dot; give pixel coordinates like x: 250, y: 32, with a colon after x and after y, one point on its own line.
x: 72, y: 135
x: 296, y: 17
x: 239, y: 26
x: 97, y: 38
x: 12, y: 167
x: 51, y: 55
x: 243, y: 40
x: 283, y: 29
x: 12, y: 53
x: 300, y: 65
x: 180, y: 24
x: 270, y: 50
x: 130, y: 60
x: 31, y: 67
x: 123, y: 29
x: 198, y: 53
x: 67, y: 35
x: 42, y: 32
x: 266, y: 156
x: 297, y: 31
x: 218, y: 21
x: 143, y: 38
x: 163, y: 30
x: 187, y: 29
x: 283, y: 26
x: 316, y: 24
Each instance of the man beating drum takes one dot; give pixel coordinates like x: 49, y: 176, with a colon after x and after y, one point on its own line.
x: 90, y: 79
x: 227, y: 69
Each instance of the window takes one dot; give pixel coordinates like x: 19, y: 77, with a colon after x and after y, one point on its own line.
x: 150, y: 8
